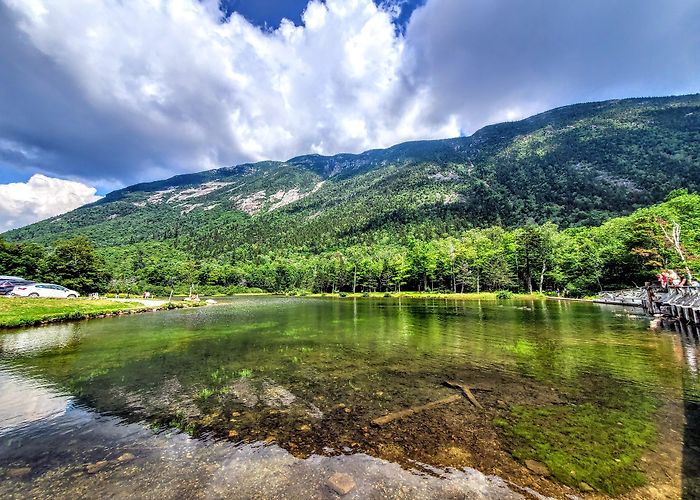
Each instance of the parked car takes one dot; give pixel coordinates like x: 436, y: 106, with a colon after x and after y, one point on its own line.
x: 8, y: 283
x: 45, y: 290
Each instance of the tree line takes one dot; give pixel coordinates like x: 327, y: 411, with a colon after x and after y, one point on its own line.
x: 623, y: 252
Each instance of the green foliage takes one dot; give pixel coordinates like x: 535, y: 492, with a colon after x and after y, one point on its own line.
x: 205, y: 393
x: 676, y: 193
x: 625, y: 251
x: 75, y: 264
x: 21, y: 259
x: 504, y: 294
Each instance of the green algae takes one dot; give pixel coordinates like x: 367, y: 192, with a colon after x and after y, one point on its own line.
x: 597, y: 440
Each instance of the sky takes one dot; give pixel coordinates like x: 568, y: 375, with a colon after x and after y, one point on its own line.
x: 99, y: 94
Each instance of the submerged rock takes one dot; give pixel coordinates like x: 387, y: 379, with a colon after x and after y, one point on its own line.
x: 585, y: 487
x: 245, y: 392
x: 126, y: 457
x: 341, y: 483
x: 19, y: 471
x: 537, y: 467
x: 267, y: 393
x: 314, y: 412
x: 96, y: 467
x: 276, y: 396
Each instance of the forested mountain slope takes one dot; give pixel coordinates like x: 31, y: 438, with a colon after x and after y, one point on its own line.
x: 576, y: 165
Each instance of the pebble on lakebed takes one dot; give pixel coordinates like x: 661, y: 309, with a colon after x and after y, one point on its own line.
x: 537, y: 467
x: 19, y: 471
x: 341, y: 483
x: 126, y: 457
x: 96, y: 467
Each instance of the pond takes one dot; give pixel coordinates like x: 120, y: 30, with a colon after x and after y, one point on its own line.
x: 272, y: 396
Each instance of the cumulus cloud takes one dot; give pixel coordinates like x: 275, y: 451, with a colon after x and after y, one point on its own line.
x: 41, y: 197
x: 114, y: 92
x: 146, y: 88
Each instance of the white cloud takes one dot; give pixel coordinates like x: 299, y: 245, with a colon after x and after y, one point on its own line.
x: 189, y: 92
x: 23, y: 203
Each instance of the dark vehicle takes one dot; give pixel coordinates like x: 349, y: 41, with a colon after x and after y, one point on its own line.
x: 8, y: 283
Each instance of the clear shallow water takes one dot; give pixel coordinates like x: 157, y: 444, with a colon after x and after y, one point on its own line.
x: 271, y: 384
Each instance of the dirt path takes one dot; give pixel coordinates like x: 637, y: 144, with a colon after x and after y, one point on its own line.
x: 145, y: 302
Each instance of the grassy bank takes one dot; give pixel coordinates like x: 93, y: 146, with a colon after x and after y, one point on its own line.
x: 16, y: 311
x: 427, y: 295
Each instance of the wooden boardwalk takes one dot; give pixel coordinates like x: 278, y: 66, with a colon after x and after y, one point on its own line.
x: 681, y: 303
x: 629, y: 297
x: 678, y: 303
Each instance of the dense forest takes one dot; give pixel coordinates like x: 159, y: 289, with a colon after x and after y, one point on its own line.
x: 624, y: 251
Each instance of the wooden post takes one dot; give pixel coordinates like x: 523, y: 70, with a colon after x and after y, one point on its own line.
x: 650, y: 298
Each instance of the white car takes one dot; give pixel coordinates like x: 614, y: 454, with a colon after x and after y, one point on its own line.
x: 44, y: 290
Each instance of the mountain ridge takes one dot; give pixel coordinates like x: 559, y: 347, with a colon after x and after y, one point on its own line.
x: 573, y: 165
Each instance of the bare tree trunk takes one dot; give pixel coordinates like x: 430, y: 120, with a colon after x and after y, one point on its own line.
x: 544, y: 268
x: 675, y: 239
x: 354, y: 278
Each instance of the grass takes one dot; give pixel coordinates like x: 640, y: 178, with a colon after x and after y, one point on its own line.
x: 20, y: 311
x: 205, y: 393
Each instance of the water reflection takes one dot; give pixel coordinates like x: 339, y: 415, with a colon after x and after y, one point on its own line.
x: 52, y: 337
x: 24, y: 401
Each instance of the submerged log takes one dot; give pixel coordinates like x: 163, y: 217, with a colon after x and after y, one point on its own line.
x: 466, y: 391
x: 413, y: 410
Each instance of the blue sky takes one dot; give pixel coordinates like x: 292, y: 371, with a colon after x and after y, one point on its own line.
x: 142, y: 90
x: 270, y: 12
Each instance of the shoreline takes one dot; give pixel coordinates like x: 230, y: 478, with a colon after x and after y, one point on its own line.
x: 70, y: 310
x: 490, y: 296
x: 62, y: 311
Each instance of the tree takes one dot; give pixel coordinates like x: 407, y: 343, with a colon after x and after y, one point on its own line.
x: 20, y: 259
x: 75, y: 264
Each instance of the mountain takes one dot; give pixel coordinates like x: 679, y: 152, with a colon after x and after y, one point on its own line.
x: 575, y: 165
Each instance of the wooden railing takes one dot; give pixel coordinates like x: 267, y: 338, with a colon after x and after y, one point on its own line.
x: 675, y: 302
x: 678, y: 302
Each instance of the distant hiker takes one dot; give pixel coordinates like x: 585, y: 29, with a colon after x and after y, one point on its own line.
x: 663, y: 279
x: 673, y: 278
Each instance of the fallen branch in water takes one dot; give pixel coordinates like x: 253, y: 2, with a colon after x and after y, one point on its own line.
x: 413, y: 410
x: 466, y: 391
